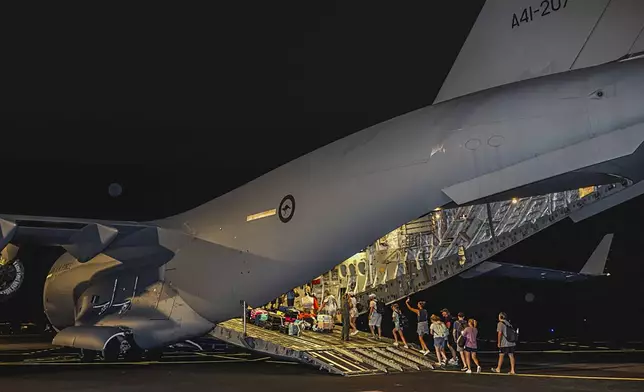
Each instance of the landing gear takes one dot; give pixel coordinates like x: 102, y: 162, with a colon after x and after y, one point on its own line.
x: 112, y: 350
x: 121, y: 348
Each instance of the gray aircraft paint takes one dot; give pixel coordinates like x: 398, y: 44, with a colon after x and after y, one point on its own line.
x: 193, y: 269
x: 354, y: 190
x: 582, y: 34
x: 349, y: 193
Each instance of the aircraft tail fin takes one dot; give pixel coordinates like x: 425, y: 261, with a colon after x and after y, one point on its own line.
x: 597, y: 261
x: 514, y: 40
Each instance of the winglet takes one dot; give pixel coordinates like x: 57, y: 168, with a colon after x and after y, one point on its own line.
x: 597, y: 261
x: 7, y: 231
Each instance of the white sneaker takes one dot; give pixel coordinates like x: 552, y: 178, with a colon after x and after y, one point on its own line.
x: 464, y: 369
x: 431, y: 366
x: 478, y: 369
x: 354, y: 333
x: 469, y: 371
x: 426, y: 352
x: 396, y: 344
x: 453, y: 361
x: 406, y: 346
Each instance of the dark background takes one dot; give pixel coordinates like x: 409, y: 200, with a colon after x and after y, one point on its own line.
x: 182, y: 104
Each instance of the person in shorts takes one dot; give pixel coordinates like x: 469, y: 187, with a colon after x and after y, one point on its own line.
x: 449, y: 321
x: 439, y: 331
x: 470, y: 333
x: 459, y: 325
x: 505, y: 347
x: 396, y: 317
x: 423, y: 328
x: 375, y: 318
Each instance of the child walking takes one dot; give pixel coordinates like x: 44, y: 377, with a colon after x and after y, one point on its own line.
x: 398, y: 329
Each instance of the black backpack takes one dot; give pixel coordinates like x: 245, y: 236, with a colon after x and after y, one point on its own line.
x: 456, y: 331
x: 461, y: 341
x: 380, y: 307
x: 511, y: 334
x: 404, y: 321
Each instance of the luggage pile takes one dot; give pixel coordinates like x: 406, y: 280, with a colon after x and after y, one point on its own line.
x: 291, y: 321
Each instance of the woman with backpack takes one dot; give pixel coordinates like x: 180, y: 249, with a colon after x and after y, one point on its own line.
x: 470, y: 334
x: 439, y: 331
x: 423, y: 328
x: 398, y: 318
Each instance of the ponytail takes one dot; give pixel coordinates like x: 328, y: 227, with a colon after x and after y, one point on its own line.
x: 473, y: 323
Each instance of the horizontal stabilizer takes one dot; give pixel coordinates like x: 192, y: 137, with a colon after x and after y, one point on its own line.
x: 517, y: 271
x: 597, y: 261
x: 593, y: 267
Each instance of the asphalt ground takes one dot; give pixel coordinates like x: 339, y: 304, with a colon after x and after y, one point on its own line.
x: 29, y: 364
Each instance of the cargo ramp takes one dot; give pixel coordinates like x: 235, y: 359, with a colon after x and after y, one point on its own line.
x: 360, y: 356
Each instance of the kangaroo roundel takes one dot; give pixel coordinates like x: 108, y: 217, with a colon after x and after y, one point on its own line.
x: 286, y: 208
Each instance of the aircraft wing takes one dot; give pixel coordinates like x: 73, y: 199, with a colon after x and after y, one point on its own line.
x: 83, y: 238
x: 593, y: 267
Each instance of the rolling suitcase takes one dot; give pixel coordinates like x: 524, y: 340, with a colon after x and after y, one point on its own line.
x: 274, y: 322
x: 325, y: 323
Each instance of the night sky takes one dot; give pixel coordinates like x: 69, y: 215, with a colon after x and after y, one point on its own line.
x: 182, y: 104
x: 207, y: 99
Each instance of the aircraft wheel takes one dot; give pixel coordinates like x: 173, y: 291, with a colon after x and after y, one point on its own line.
x: 112, y: 351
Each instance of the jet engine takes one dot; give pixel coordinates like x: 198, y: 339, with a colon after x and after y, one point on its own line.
x: 12, y: 272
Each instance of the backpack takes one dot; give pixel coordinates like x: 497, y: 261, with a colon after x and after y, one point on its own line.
x: 380, y: 307
x: 404, y: 321
x: 459, y: 326
x: 440, y: 330
x: 511, y: 334
x: 460, y: 342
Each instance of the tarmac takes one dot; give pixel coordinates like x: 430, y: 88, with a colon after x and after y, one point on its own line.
x: 29, y: 364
